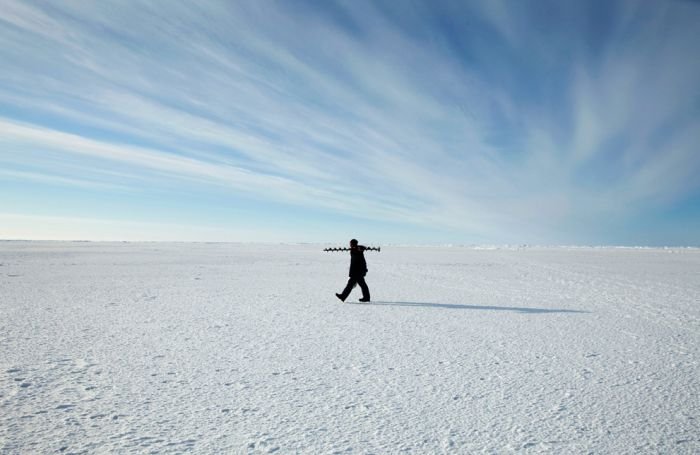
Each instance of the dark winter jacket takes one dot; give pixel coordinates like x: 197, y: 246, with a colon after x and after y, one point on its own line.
x: 358, y: 265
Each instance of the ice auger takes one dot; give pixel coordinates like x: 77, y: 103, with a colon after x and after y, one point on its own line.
x: 367, y: 248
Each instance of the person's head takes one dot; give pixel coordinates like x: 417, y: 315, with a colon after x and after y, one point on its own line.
x: 353, y: 243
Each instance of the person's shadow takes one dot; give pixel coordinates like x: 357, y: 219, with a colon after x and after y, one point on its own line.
x: 449, y: 306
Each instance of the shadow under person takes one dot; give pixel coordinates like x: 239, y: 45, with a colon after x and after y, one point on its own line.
x: 358, y: 270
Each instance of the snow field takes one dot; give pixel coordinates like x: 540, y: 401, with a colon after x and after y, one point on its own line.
x: 236, y: 348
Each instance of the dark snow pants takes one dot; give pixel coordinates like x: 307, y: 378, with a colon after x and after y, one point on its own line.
x: 354, y: 280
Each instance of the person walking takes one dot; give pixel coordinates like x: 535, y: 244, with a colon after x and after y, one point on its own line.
x: 358, y: 270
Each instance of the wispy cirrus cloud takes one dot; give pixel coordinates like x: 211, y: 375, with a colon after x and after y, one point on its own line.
x: 493, y: 121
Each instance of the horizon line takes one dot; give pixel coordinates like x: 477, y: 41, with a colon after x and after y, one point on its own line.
x: 400, y: 245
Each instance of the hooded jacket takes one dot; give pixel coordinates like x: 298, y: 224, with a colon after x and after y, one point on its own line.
x: 358, y: 265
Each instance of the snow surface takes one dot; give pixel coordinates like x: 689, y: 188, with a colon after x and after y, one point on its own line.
x: 236, y: 348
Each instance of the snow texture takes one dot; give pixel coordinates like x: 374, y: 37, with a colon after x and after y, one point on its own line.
x: 237, y: 348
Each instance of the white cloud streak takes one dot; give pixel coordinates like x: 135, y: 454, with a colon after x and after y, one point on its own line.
x: 285, y: 105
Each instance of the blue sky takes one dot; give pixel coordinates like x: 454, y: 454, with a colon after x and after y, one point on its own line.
x: 541, y: 122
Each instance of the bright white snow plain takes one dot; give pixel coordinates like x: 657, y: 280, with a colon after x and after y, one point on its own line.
x: 235, y: 348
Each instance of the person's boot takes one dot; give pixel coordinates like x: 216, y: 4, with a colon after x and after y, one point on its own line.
x: 364, y: 299
x: 340, y: 297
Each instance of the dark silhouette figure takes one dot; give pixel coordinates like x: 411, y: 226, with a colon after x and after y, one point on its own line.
x: 358, y: 270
